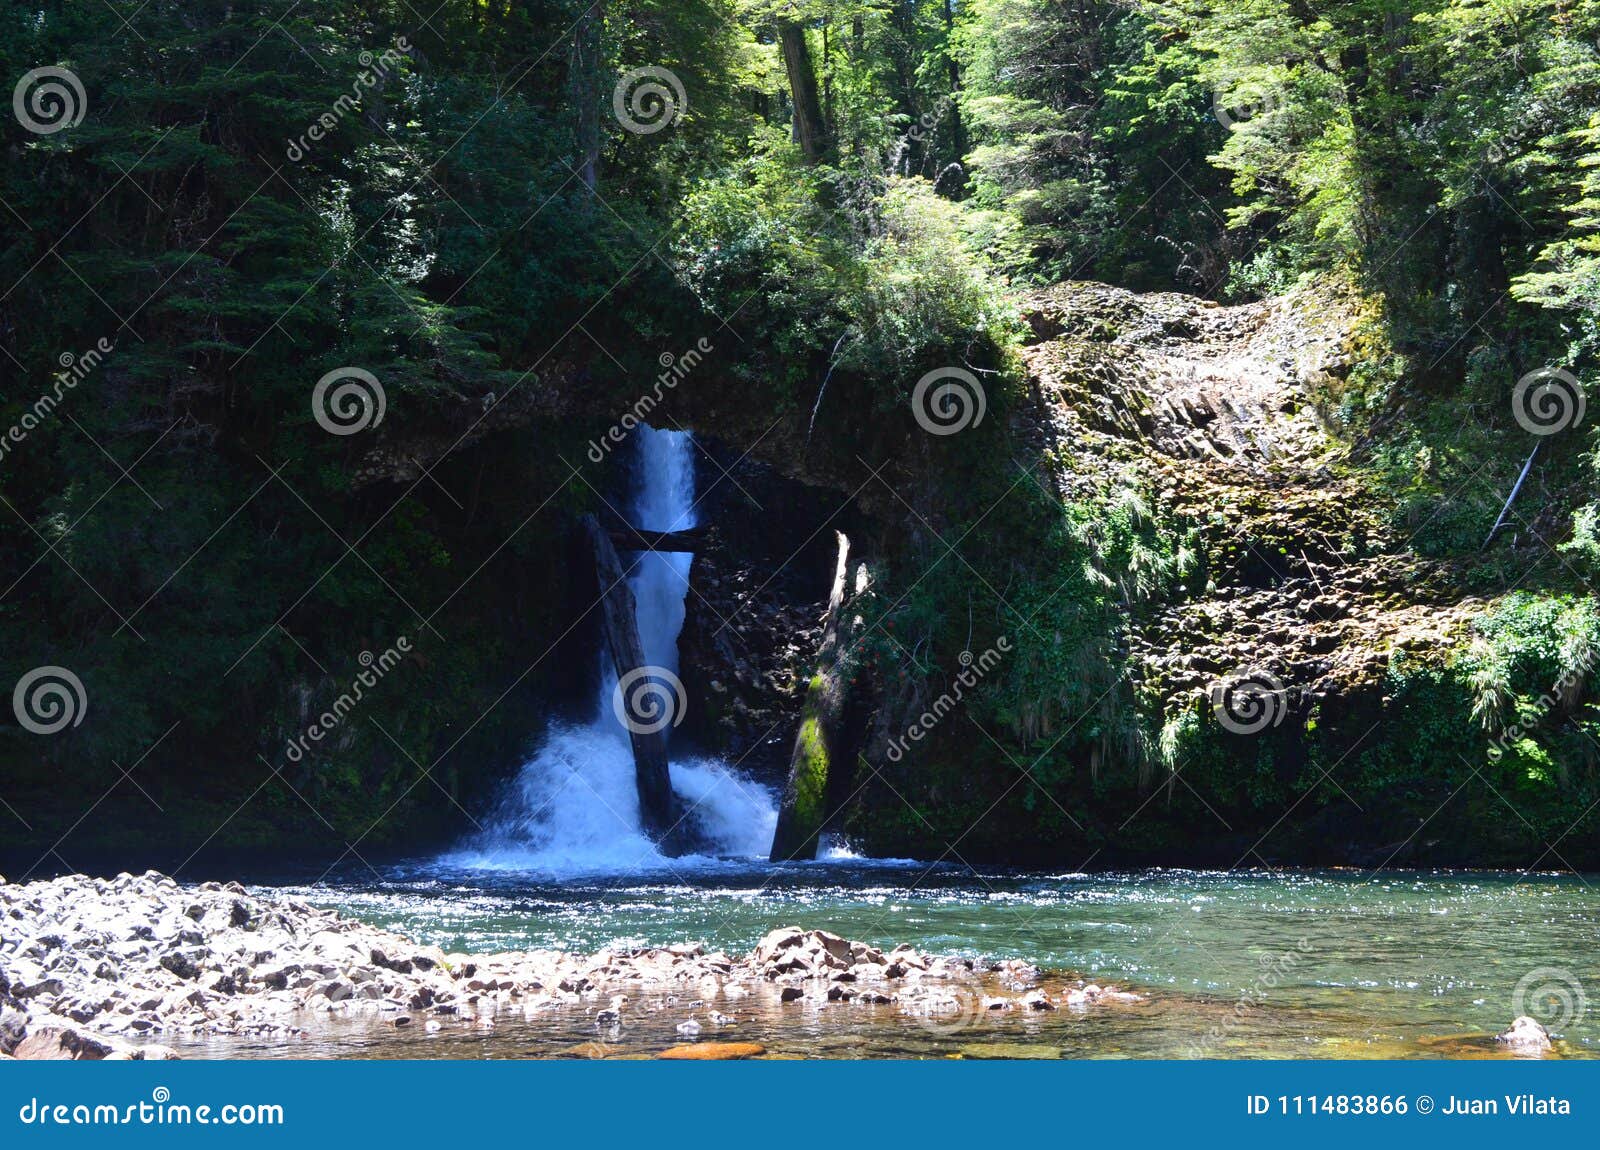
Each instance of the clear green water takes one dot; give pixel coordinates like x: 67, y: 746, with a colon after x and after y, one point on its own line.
x: 1237, y: 964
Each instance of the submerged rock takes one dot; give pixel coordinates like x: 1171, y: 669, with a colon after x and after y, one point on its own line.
x: 1009, y: 1050
x: 713, y: 1051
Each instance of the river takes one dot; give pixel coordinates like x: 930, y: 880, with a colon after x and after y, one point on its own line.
x: 1242, y: 964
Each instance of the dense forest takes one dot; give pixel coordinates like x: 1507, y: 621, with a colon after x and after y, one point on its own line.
x: 478, y: 231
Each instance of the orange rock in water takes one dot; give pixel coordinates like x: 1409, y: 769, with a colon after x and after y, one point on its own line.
x: 714, y: 1051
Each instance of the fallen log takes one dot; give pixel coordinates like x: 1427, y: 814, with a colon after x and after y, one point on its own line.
x: 634, y: 539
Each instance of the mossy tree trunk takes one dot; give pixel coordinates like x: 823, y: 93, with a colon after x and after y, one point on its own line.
x: 818, y: 742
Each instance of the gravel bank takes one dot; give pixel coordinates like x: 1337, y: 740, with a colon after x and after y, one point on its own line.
x: 104, y: 968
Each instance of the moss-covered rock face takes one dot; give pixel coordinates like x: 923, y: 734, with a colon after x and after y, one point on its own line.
x: 1228, y: 647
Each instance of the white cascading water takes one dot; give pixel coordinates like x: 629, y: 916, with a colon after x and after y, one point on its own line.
x: 574, y: 808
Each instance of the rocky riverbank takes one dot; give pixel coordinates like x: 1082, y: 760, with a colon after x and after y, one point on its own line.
x: 106, y: 968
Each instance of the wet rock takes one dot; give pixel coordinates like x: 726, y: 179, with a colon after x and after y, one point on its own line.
x: 1009, y: 1050
x: 713, y: 1051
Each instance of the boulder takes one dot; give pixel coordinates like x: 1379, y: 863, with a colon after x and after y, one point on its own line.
x: 775, y: 942
x: 68, y: 1043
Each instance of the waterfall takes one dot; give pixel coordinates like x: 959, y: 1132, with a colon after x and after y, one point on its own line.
x: 574, y: 806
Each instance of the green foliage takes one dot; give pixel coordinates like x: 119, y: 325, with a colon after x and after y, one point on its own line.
x: 884, y: 288
x: 1091, y: 133
x: 1531, y: 644
x: 185, y: 534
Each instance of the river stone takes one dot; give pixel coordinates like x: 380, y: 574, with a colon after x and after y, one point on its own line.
x: 184, y: 963
x: 1037, y: 1000
x: 1526, y: 1036
x: 1009, y: 1050
x: 713, y: 1051
x: 65, y: 1043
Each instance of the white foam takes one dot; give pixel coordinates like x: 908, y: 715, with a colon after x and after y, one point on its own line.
x: 574, y: 808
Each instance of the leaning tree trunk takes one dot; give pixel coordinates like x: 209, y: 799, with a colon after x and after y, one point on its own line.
x: 621, y: 626
x: 810, y: 130
x: 804, y: 807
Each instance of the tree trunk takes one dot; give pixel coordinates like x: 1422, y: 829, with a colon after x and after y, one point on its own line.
x: 958, y: 135
x: 804, y: 806
x: 621, y: 626
x: 810, y: 131
x: 583, y: 76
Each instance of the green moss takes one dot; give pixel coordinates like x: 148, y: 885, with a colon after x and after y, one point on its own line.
x: 805, y: 801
